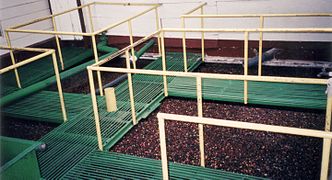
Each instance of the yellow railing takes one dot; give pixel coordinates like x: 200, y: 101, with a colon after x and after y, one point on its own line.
x: 92, y: 34
x: 199, y: 76
x: 326, y: 136
x: 261, y: 17
x: 44, y: 53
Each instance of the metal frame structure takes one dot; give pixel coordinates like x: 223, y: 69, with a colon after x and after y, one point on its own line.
x: 262, y: 18
x: 44, y: 53
x: 93, y: 33
x: 326, y: 136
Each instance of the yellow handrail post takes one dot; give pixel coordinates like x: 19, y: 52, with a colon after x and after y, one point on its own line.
x: 163, y: 57
x: 12, y: 57
x: 163, y: 150
x: 260, y: 48
x: 158, y: 27
x: 58, y: 81
x: 58, y: 43
x: 202, y: 26
x: 131, y: 90
x: 95, y: 109
x: 131, y: 43
x: 184, y: 46
x: 245, y: 90
x: 325, y: 158
x: 200, y: 114
x: 95, y: 52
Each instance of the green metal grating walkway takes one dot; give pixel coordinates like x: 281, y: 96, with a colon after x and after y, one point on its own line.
x: 110, y: 165
x: 263, y: 93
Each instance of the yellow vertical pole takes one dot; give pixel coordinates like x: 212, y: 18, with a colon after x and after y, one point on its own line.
x: 131, y: 43
x: 158, y: 27
x: 58, y: 81
x: 95, y: 52
x: 131, y: 90
x: 163, y: 150
x: 325, y: 158
x: 12, y: 57
x: 202, y: 26
x: 163, y: 57
x: 200, y: 114
x: 260, y: 48
x: 184, y: 46
x: 92, y: 29
x: 58, y: 44
x: 95, y: 109
x: 245, y: 91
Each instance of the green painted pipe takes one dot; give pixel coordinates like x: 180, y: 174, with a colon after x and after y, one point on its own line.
x: 144, y: 48
x: 45, y: 83
x: 106, y: 49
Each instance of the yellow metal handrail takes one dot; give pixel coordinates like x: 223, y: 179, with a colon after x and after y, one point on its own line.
x: 261, y: 17
x: 92, y: 34
x: 326, y: 136
x: 97, y: 67
x: 44, y: 53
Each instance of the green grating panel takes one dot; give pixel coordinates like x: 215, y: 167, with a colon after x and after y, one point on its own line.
x: 45, y: 106
x: 78, y: 136
x: 106, y: 165
x: 264, y: 93
x: 43, y: 68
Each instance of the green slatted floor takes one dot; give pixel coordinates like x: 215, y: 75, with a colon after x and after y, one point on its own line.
x: 264, y: 93
x: 42, y: 69
x: 106, y: 165
x: 148, y: 91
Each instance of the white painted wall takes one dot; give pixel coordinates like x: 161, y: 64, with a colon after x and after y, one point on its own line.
x: 17, y: 11
x: 172, y: 9
x: 14, y: 12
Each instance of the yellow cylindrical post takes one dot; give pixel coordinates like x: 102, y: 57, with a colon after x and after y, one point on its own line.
x: 158, y: 27
x: 131, y: 90
x: 131, y: 43
x: 184, y: 46
x: 92, y: 29
x: 58, y: 81
x: 95, y: 52
x: 58, y: 44
x: 202, y: 26
x: 95, y: 109
x: 163, y: 150
x: 163, y: 58
x: 260, y: 48
x: 110, y: 99
x: 12, y: 57
x: 245, y: 90
x: 325, y: 158
x: 200, y: 114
